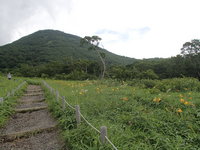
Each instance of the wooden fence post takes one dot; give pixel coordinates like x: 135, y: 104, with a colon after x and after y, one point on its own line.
x: 1, y: 99
x: 51, y: 90
x: 57, y: 96
x: 78, y: 116
x: 63, y: 103
x: 13, y: 92
x: 8, y: 94
x: 103, y: 134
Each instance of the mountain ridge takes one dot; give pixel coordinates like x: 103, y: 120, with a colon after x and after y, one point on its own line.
x: 45, y: 46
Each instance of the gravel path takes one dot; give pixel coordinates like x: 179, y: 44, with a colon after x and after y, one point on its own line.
x: 31, y: 130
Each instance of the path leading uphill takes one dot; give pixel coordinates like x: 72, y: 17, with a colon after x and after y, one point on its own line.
x: 31, y: 127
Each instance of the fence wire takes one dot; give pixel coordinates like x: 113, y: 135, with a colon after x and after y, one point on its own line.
x: 67, y: 103
x: 111, y: 143
x: 89, y: 123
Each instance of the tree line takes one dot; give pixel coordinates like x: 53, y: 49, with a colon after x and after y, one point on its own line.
x: 186, y: 64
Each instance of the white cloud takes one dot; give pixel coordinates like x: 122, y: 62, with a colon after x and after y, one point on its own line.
x: 134, y: 28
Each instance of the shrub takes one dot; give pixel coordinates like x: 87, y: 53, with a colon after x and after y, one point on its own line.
x: 166, y: 85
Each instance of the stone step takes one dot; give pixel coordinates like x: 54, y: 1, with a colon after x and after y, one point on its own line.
x: 23, y: 134
x: 35, y: 90
x: 34, y: 94
x: 23, y: 110
x: 32, y: 101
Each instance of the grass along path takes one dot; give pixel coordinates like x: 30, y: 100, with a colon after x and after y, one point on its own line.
x: 137, y: 118
x: 7, y: 85
x: 32, y: 126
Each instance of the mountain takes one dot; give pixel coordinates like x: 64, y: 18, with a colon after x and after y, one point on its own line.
x: 51, y: 45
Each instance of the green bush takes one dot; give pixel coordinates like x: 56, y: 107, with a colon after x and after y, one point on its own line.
x: 166, y: 85
x: 75, y: 75
x: 76, y: 137
x: 137, y: 118
x: 179, y: 84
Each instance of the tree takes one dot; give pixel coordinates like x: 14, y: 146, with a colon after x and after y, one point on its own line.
x: 149, y: 74
x: 191, y: 53
x: 93, y: 43
x: 191, y: 48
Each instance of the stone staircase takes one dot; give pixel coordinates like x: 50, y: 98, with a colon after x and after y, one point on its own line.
x: 32, y: 126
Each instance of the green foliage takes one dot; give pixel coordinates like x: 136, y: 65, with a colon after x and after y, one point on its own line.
x: 78, y: 75
x: 137, y: 118
x: 6, y: 107
x: 126, y: 73
x: 191, y: 54
x: 54, y: 54
x: 76, y: 70
x: 191, y: 48
x: 166, y: 85
x: 178, y: 84
x: 46, y: 46
x: 7, y: 85
x: 93, y: 44
x: 76, y: 137
x: 149, y: 74
x: 174, y: 67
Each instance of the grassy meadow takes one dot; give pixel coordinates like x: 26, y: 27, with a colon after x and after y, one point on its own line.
x: 6, y: 107
x: 139, y: 114
x: 146, y: 115
x: 7, y: 85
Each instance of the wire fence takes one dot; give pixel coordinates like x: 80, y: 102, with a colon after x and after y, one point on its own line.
x: 12, y: 92
x: 67, y: 103
x: 103, y: 133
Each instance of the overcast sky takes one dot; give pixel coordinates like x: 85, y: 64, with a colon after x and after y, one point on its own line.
x: 134, y: 28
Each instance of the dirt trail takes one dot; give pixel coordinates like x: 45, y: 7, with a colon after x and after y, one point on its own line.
x: 31, y: 127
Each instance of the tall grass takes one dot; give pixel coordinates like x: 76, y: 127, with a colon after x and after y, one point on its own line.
x: 7, y: 85
x: 137, y: 118
x: 7, y: 106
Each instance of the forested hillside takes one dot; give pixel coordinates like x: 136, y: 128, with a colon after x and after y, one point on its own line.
x: 55, y: 54
x: 48, y: 46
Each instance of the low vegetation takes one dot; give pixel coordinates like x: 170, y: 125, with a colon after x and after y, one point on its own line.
x: 57, y: 55
x: 146, y: 104
x: 6, y: 107
x: 160, y: 116
x: 45, y: 46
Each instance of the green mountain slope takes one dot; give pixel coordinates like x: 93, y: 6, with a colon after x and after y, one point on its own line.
x: 50, y: 45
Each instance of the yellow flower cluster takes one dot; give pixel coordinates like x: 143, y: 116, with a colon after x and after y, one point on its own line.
x: 98, y: 90
x: 115, y: 89
x: 83, y: 92
x: 157, y: 99
x: 184, y: 101
x: 124, y: 98
x: 179, y: 110
x: 181, y: 96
